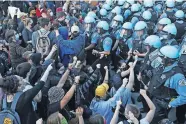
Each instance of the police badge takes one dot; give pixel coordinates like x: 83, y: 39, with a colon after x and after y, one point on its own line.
x: 182, y: 82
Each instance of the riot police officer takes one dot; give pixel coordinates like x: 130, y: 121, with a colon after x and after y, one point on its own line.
x: 168, y: 34
x: 91, y: 35
x: 123, y: 43
x: 135, y: 9
x: 168, y: 78
x: 151, y: 60
x: 116, y: 23
x: 103, y: 45
x: 138, y: 48
x: 178, y: 4
x: 147, y: 16
x: 180, y: 24
x: 148, y: 5
x: 103, y: 15
x: 170, y: 10
x: 162, y: 23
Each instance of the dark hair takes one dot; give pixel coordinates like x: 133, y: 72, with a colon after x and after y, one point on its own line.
x: 96, y: 119
x: 133, y: 109
x: 9, y: 84
x: 44, y: 22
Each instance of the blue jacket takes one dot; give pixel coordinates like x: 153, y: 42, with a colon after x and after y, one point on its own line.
x: 104, y: 108
x: 178, y: 83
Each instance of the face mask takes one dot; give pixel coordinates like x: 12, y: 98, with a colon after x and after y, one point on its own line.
x: 51, y: 13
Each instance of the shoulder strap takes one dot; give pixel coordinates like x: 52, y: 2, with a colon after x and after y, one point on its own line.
x: 15, y: 100
x: 40, y: 34
x: 5, y: 102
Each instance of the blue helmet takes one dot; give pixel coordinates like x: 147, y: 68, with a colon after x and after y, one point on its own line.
x: 89, y: 19
x: 107, y: 7
x: 164, y: 21
x: 104, y: 25
x: 135, y: 7
x: 179, y: 1
x: 147, y: 15
x: 169, y: 51
x: 170, y: 3
x: 92, y: 14
x: 179, y: 14
x: 103, y: 12
x: 148, y: 3
x: 127, y: 25
x: 121, y: 2
x: 171, y: 29
x: 109, y: 2
x: 118, y: 18
x: 140, y: 26
x: 116, y: 10
x: 153, y: 40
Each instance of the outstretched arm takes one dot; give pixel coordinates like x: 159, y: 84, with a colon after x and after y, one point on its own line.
x: 149, y: 116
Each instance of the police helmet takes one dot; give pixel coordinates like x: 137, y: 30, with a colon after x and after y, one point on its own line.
x: 164, y: 21
x: 140, y: 26
x: 104, y: 25
x: 128, y: 3
x: 153, y: 40
x: 179, y: 14
x: 127, y: 25
x: 170, y: 3
x: 171, y: 29
x: 147, y: 15
x: 103, y: 12
x: 89, y: 19
x: 74, y: 28
x: 179, y: 1
x: 92, y: 14
x: 135, y: 8
x: 107, y: 7
x: 169, y: 51
x: 148, y: 3
x: 116, y: 10
x: 109, y: 2
x: 118, y: 18
x: 121, y: 2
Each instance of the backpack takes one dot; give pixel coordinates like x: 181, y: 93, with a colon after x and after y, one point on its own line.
x: 9, y: 115
x: 43, y: 43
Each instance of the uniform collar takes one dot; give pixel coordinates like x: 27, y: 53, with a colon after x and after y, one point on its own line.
x: 168, y: 68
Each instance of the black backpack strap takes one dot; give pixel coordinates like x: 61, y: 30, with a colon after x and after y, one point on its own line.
x: 15, y: 100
